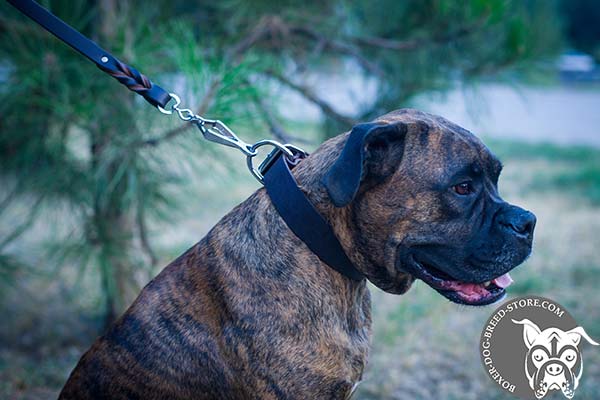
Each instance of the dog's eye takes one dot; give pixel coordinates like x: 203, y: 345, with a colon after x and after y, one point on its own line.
x: 464, y: 188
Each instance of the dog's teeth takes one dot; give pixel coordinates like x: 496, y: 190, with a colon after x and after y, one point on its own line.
x: 488, y: 283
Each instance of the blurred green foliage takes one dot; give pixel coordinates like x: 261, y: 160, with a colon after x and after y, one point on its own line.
x: 74, y: 142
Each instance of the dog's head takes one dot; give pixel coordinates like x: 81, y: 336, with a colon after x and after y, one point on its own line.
x: 553, y: 360
x: 412, y: 195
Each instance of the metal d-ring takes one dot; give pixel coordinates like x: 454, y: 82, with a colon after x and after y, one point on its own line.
x: 278, y: 147
x: 173, y: 107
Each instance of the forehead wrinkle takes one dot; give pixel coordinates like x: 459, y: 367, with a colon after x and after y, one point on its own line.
x: 465, y: 157
x: 471, y: 169
x: 487, y: 159
x: 463, y: 143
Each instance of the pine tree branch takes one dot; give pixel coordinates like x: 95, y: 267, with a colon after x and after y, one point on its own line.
x: 309, y: 95
x: 20, y: 229
x: 411, y: 44
x: 14, y: 192
x: 275, y: 126
x: 337, y: 46
x: 143, y: 235
x: 273, y: 26
x: 235, y: 57
x: 268, y: 26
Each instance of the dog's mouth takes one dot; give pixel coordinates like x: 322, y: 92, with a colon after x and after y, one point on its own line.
x: 473, y: 294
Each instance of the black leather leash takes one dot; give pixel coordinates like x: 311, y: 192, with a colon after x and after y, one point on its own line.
x: 274, y: 172
x: 124, y: 73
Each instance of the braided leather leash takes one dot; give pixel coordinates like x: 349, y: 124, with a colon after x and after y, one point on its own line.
x: 125, y: 74
x: 130, y: 77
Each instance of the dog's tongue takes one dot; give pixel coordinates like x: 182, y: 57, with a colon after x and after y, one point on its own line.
x: 476, y: 291
x: 503, y: 281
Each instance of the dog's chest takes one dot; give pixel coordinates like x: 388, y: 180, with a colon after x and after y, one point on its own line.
x: 328, y: 364
x: 317, y: 347
x: 327, y: 356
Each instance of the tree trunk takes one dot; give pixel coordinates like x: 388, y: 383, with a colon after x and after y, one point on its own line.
x: 114, y: 217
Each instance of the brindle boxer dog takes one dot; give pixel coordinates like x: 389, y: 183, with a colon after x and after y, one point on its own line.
x: 251, y: 313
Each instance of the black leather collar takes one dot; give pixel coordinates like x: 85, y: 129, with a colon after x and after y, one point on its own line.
x: 303, y: 219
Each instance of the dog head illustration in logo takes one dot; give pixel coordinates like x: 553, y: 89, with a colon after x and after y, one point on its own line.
x: 553, y: 360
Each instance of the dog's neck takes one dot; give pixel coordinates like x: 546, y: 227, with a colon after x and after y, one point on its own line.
x: 278, y: 259
x: 309, y: 175
x: 376, y: 261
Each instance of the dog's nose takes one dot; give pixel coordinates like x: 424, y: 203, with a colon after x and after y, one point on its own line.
x: 554, y: 369
x: 518, y: 221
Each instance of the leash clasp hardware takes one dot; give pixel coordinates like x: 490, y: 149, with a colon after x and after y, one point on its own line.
x: 217, y: 132
x: 213, y: 130
x: 292, y: 154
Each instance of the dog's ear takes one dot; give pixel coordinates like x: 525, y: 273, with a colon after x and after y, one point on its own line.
x: 576, y: 334
x: 530, y: 331
x: 372, y: 151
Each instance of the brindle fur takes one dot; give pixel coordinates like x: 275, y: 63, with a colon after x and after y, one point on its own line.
x: 250, y: 312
